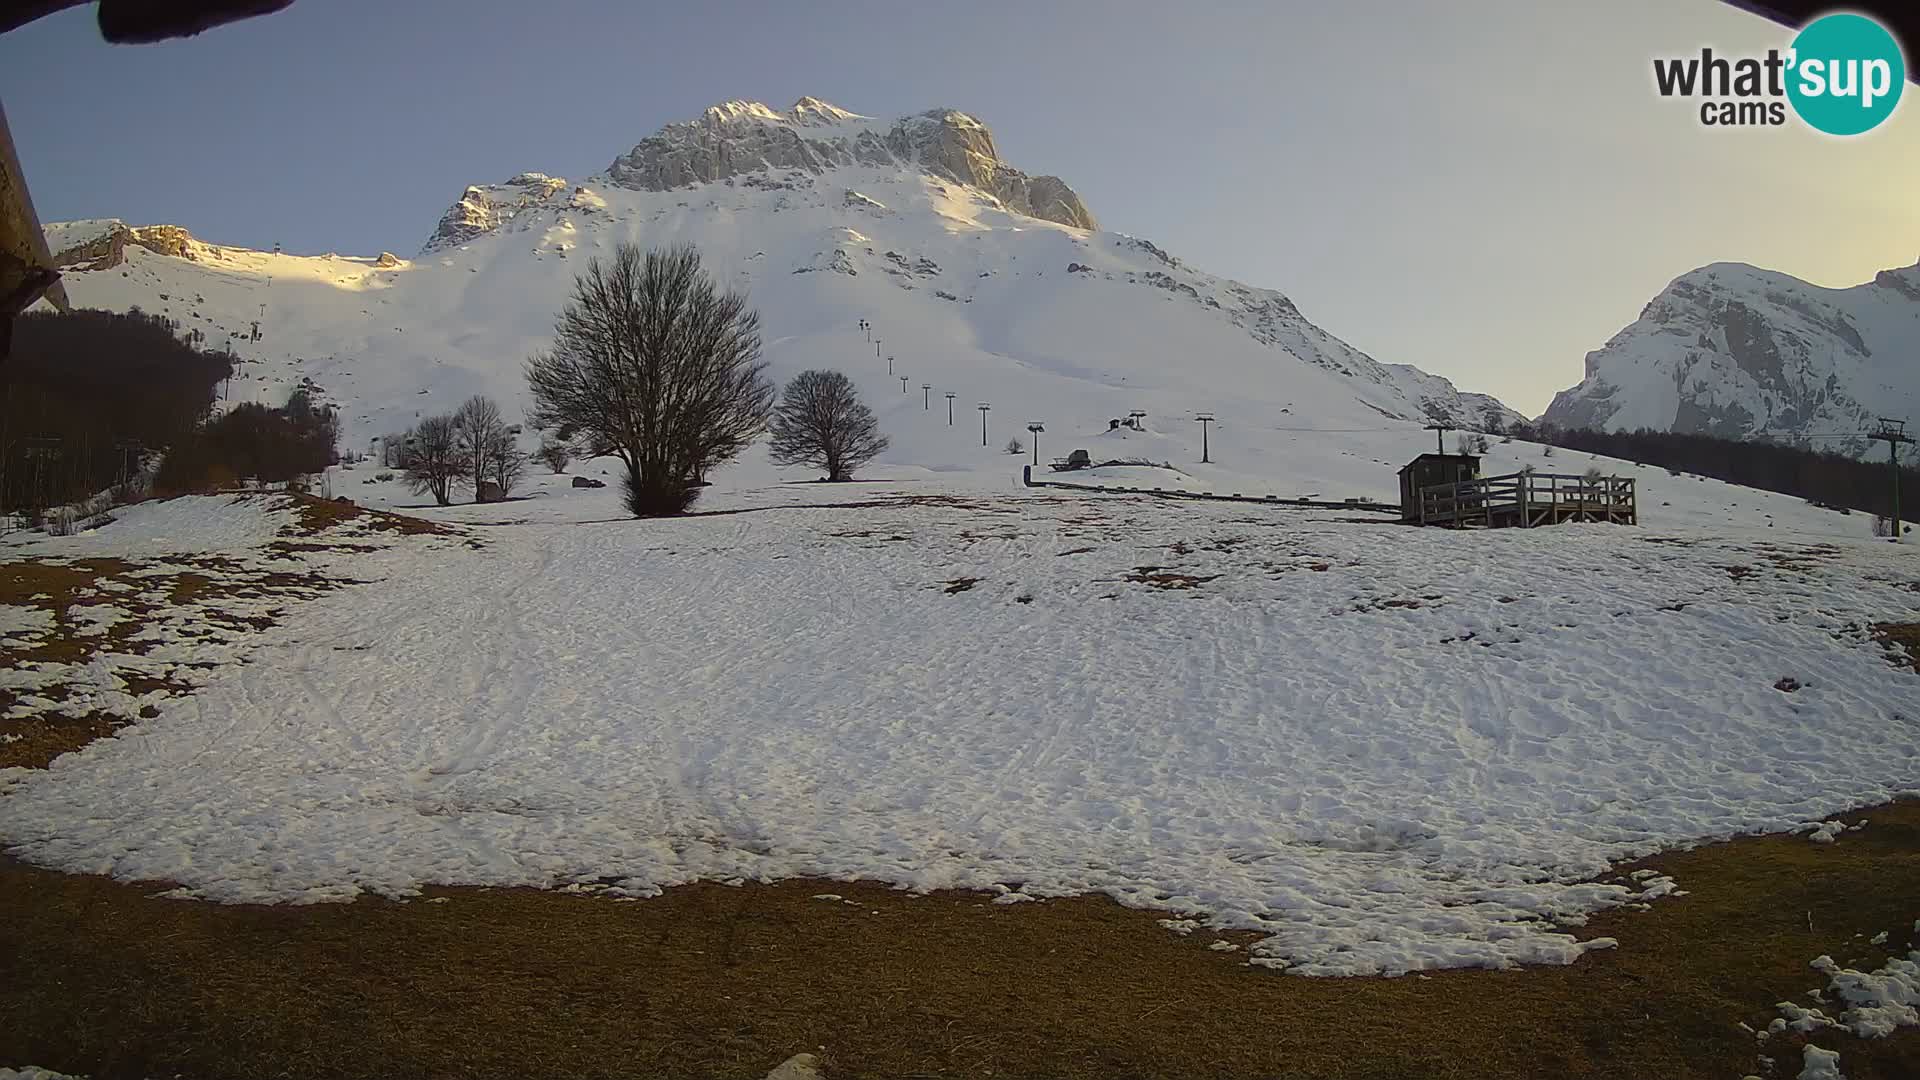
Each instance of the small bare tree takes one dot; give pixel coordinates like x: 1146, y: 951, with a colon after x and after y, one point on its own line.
x: 506, y: 465
x: 822, y: 422
x: 652, y: 363
x: 484, y: 441
x: 432, y: 460
x: 1015, y: 446
x: 554, y: 455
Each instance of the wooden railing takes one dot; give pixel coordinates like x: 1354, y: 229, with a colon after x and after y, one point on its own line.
x: 1527, y: 499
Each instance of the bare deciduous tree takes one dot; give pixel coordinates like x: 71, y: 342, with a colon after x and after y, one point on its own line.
x: 822, y: 422
x: 1015, y: 446
x: 486, y: 443
x: 653, y: 364
x: 432, y: 459
x: 554, y: 455
x: 507, y: 466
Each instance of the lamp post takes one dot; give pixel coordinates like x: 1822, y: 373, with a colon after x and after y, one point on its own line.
x: 983, y: 407
x: 950, y: 397
x: 1036, y: 428
x: 926, y: 394
x: 1204, y: 418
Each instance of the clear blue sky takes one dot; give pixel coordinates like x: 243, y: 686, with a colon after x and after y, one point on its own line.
x: 1485, y: 189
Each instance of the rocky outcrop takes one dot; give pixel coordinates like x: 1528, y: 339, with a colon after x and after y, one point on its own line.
x: 102, y: 244
x: 480, y: 210
x: 386, y: 261
x: 742, y: 138
x: 1738, y: 352
x: 87, y: 245
x: 170, y: 240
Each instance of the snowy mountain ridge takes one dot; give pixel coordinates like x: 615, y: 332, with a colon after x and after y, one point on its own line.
x: 750, y: 140
x: 826, y: 218
x: 1740, y: 352
x: 741, y: 137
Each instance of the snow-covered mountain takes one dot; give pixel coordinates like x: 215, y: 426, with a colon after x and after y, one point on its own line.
x: 1736, y: 351
x: 979, y: 279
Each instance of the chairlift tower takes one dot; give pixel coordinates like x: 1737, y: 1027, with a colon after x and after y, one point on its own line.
x: 1205, y: 419
x: 1893, y: 433
x: 926, y: 395
x: 950, y: 396
x: 1036, y: 428
x: 983, y: 407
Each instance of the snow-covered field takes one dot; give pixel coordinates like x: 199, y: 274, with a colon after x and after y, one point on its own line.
x: 1388, y: 749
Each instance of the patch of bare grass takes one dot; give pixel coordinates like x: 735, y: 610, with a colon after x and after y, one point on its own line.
x: 709, y: 980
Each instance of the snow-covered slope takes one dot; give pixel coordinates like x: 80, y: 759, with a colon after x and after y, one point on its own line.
x: 979, y: 279
x: 1736, y: 351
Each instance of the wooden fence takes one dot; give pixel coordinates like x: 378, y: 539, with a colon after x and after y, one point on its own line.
x: 1527, y: 499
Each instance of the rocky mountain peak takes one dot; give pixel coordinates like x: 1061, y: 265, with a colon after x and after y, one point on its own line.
x: 1741, y: 352
x: 735, y: 138
x: 811, y: 110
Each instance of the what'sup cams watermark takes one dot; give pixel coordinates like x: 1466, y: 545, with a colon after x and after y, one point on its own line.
x: 1843, y: 74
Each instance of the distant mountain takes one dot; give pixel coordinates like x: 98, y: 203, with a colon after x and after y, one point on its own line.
x: 1739, y: 352
x: 981, y: 278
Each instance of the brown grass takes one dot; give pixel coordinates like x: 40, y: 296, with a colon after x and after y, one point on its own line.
x: 707, y: 980
x: 1899, y: 638
x: 201, y: 581
x: 313, y: 516
x: 1160, y: 577
x: 59, y: 587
